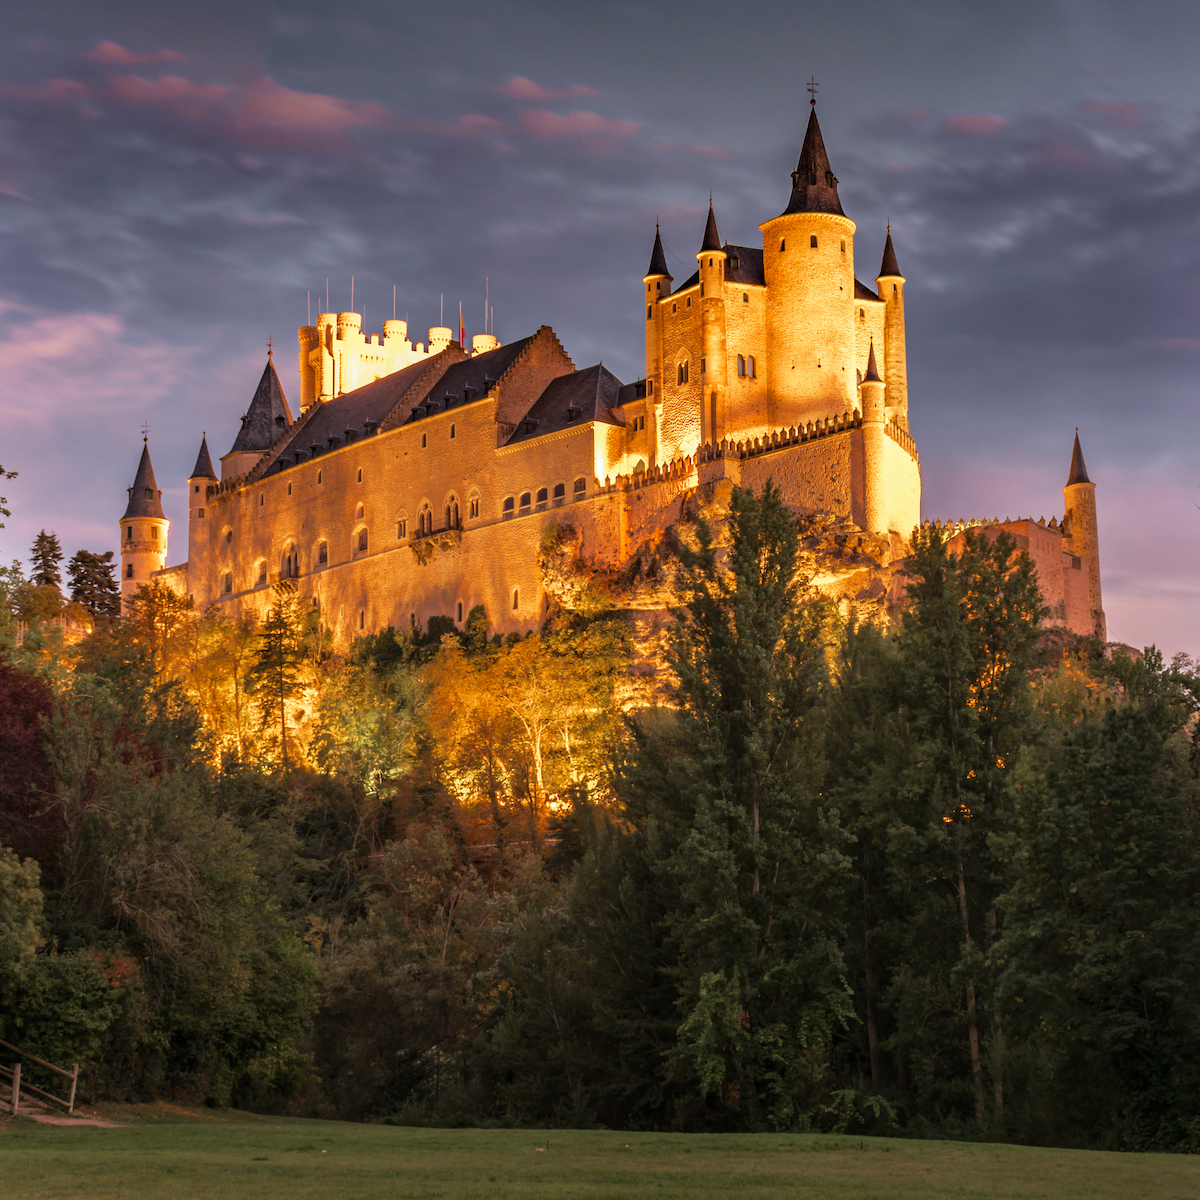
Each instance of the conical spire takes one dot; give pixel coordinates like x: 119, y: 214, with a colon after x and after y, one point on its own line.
x: 260, y: 426
x: 814, y: 186
x: 658, y: 260
x: 1078, y: 467
x: 872, y: 375
x: 145, y: 500
x: 712, y: 239
x: 890, y: 266
x: 203, y: 468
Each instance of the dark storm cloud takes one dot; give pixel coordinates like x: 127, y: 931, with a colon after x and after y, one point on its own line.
x: 171, y: 188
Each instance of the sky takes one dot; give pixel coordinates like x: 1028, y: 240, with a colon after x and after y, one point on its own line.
x: 178, y: 183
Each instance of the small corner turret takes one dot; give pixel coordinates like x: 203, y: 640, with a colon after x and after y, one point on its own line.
x: 1082, y: 532
x: 144, y: 529
x: 890, y: 284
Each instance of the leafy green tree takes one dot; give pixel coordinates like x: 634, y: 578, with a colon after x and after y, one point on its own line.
x: 93, y: 582
x: 724, y: 799
x: 44, y: 556
x: 276, y: 673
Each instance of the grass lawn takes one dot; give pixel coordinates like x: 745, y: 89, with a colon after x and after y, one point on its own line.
x: 165, y: 1152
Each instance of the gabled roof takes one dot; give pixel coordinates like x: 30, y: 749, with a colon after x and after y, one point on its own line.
x: 862, y: 292
x: 591, y: 394
x: 203, y: 468
x: 890, y: 266
x: 744, y: 264
x: 658, y: 259
x: 145, y: 500
x: 261, y: 426
x: 471, y: 373
x: 814, y: 186
x: 712, y: 239
x: 1078, y: 467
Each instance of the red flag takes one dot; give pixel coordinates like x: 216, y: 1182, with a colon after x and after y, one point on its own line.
x: 462, y: 333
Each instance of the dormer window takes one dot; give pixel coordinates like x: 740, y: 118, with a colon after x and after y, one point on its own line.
x: 573, y: 412
x: 733, y: 263
x: 149, y: 493
x: 280, y: 421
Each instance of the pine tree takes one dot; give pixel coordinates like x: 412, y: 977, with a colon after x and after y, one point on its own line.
x: 45, y: 555
x: 280, y: 653
x: 94, y: 584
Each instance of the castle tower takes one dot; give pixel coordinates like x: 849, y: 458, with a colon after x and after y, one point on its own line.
x: 657, y: 282
x: 713, y: 365
x: 309, y: 338
x: 199, y: 481
x: 144, y: 530
x: 267, y: 419
x: 890, y: 283
x: 1083, y: 532
x: 874, y: 417
x: 808, y: 266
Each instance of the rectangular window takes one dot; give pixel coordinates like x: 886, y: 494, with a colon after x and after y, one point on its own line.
x: 423, y: 437
x: 200, y: 512
x: 452, y: 433
x: 289, y: 489
x: 154, y: 533
x: 360, y: 474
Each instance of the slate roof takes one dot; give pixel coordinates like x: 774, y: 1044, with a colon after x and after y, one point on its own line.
x: 658, y: 259
x: 712, y: 238
x: 814, y: 185
x: 890, y: 266
x: 1078, y: 467
x: 145, y: 500
x: 862, y: 292
x: 203, y: 468
x: 471, y: 372
x: 592, y: 392
x: 691, y: 281
x: 872, y: 375
x: 749, y: 265
x: 260, y: 426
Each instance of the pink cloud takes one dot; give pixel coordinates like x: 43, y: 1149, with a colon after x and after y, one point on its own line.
x: 270, y: 106
x: 55, y: 91
x: 599, y: 133
x: 714, y: 152
x: 115, y: 55
x: 1117, y: 112
x: 974, y: 124
x: 520, y: 88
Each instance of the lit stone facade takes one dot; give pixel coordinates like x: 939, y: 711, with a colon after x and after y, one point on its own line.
x: 418, y: 481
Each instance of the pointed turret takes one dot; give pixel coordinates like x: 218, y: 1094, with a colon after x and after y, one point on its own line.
x: 814, y: 185
x: 658, y: 259
x: 203, y: 468
x: 712, y: 238
x: 889, y: 266
x: 261, y: 426
x: 1078, y: 466
x: 145, y: 500
x: 872, y: 375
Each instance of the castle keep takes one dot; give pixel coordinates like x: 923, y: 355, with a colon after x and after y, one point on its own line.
x: 417, y: 481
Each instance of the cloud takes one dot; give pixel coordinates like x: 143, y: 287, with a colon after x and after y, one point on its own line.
x: 56, y: 367
x: 974, y: 124
x: 520, y: 88
x: 594, y: 131
x: 717, y: 153
x: 1118, y: 113
x: 114, y: 55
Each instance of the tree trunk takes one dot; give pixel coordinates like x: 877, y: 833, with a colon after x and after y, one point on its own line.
x: 972, y: 1020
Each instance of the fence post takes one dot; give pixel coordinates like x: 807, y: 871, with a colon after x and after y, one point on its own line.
x: 71, y: 1097
x: 16, y: 1088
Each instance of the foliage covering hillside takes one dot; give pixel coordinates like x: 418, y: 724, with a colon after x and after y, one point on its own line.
x: 939, y: 879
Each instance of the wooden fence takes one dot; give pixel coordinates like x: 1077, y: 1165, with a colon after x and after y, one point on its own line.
x: 13, y: 1075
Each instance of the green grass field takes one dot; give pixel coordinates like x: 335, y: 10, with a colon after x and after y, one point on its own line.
x: 180, y: 1154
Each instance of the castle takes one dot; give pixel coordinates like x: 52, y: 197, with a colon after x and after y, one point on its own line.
x: 417, y: 482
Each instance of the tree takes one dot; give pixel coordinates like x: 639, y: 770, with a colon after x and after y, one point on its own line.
x: 163, y: 623
x: 44, y: 556
x: 4, y: 512
x: 93, y: 582
x: 731, y: 841
x: 280, y: 653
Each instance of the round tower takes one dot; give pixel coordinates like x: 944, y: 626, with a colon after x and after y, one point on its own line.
x: 875, y: 514
x: 324, y: 382
x: 890, y: 283
x: 350, y: 343
x: 808, y: 267
x: 308, y: 337
x: 713, y: 366
x: 1083, y: 532
x: 657, y: 284
x: 199, y: 481
x: 144, y: 530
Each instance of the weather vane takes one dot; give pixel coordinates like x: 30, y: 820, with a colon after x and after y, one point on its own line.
x: 145, y: 432
x: 270, y: 345
x: 812, y: 91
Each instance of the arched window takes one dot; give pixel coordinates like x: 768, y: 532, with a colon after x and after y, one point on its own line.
x: 362, y: 540
x: 750, y: 368
x: 745, y: 297
x: 322, y: 553
x: 452, y: 521
x: 580, y: 488
x: 473, y: 508
x: 228, y: 536
x: 506, y: 509
x: 812, y: 241
x: 360, y: 474
x: 523, y: 504
x: 862, y: 314
x: 782, y: 245
x: 683, y: 372
x: 262, y: 573
x: 228, y: 582
x: 459, y: 617
x: 843, y: 245
x: 362, y: 619
x: 289, y: 568
x: 560, y: 495
x: 541, y: 500
x: 401, y: 528
x: 741, y: 367
x: 516, y: 597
